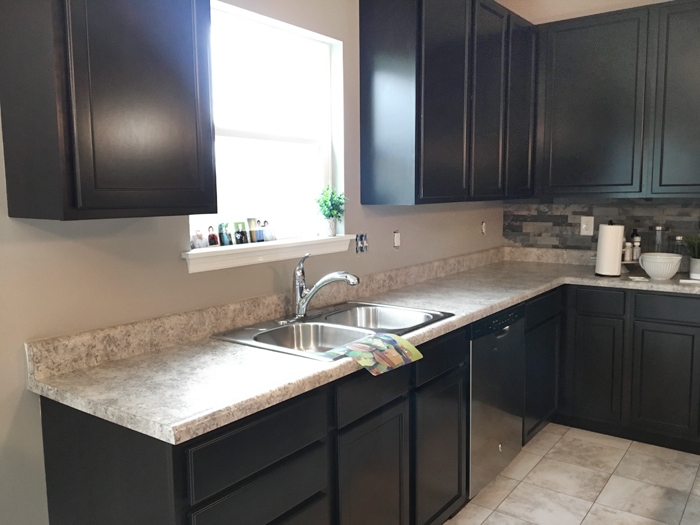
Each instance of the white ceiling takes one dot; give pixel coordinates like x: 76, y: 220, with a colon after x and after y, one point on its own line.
x: 542, y: 11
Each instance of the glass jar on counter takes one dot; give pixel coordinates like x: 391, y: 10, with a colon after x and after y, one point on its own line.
x: 676, y: 245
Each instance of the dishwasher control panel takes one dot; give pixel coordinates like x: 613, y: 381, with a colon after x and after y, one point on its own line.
x: 497, y: 322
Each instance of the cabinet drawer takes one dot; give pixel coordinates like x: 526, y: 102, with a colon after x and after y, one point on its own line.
x: 667, y: 308
x: 441, y: 355
x: 315, y: 512
x: 600, y: 302
x: 541, y: 308
x: 271, y: 495
x: 362, y: 393
x: 230, y: 458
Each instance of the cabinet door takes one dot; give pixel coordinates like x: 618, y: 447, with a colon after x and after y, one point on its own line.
x: 488, y: 100
x: 676, y: 150
x: 373, y: 463
x: 443, y: 175
x: 597, y: 359
x: 541, y: 358
x: 440, y: 447
x: 666, y: 378
x: 142, y: 112
x: 594, y: 104
x: 520, y: 103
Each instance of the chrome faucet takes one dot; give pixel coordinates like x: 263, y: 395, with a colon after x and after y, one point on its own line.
x: 303, y: 295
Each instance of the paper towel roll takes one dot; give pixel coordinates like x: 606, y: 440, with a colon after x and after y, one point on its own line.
x: 609, y: 257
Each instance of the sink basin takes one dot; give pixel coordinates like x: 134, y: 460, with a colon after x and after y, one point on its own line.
x: 308, y: 339
x: 383, y: 318
x: 331, y: 328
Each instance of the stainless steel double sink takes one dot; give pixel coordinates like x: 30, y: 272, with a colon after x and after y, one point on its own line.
x: 332, y: 327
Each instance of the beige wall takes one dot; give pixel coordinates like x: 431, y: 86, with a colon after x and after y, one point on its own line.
x: 59, y: 278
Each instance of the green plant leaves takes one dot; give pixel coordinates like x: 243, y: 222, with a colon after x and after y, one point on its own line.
x: 331, y: 204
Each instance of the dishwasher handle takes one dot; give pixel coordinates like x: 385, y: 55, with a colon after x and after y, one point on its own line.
x: 503, y: 332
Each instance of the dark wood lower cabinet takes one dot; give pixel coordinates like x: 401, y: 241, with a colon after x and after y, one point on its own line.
x: 373, y: 468
x: 440, y: 447
x: 597, y: 360
x: 541, y: 359
x: 666, y: 378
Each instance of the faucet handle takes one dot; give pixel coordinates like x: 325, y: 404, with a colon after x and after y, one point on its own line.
x: 300, y: 264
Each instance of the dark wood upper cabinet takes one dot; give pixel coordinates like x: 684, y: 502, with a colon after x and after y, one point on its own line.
x: 412, y: 105
x: 436, y: 85
x: 519, y: 139
x: 593, y: 104
x: 488, y: 98
x: 676, y: 127
x: 108, y: 110
x: 502, y: 103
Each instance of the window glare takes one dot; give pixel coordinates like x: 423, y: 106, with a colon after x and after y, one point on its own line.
x: 288, y: 77
x: 273, y: 108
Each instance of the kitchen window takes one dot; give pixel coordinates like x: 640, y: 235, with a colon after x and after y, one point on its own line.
x: 277, y: 96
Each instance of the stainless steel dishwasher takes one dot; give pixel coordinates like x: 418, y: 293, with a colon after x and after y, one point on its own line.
x: 497, y: 389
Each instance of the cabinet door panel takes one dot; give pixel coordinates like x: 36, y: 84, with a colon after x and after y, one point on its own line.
x: 443, y: 174
x: 132, y: 63
x: 373, y: 462
x: 541, y: 358
x: 598, y: 367
x: 488, y: 101
x: 440, y: 447
x: 595, y: 80
x: 666, y: 378
x: 521, y: 109
x: 677, y: 124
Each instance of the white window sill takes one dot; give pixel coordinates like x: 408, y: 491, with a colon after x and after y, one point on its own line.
x: 218, y: 258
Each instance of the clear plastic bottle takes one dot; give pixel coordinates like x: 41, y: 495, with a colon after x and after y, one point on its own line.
x: 659, y: 239
x: 637, y: 248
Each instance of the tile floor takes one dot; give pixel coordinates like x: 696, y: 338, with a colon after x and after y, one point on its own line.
x: 568, y: 476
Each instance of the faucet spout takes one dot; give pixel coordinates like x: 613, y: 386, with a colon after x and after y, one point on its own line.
x: 303, y: 295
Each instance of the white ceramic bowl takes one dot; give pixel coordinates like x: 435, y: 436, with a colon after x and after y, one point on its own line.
x: 660, y: 266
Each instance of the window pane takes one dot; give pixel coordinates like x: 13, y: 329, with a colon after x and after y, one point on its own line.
x: 270, y: 180
x: 268, y: 80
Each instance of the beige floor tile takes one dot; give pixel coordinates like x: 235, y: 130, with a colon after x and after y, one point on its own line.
x: 544, y: 507
x: 695, y: 491
x: 495, y: 492
x: 521, y: 466
x: 691, y: 515
x: 586, y: 454
x: 657, y: 471
x: 573, y: 480
x: 643, y: 499
x: 470, y: 515
x: 542, y: 443
x: 600, y: 439
x: 503, y: 519
x: 665, y: 453
x: 556, y: 429
x: 600, y: 515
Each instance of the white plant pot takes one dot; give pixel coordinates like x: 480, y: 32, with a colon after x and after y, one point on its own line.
x: 695, y: 268
x: 332, y: 227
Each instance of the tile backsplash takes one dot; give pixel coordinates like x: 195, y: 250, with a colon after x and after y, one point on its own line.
x: 556, y: 223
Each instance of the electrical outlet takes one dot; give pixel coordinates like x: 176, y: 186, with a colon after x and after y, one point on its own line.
x: 361, y: 243
x: 587, y: 225
x: 483, y: 227
x: 397, y: 239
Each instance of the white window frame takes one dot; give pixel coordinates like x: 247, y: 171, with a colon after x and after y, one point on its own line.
x: 206, y: 259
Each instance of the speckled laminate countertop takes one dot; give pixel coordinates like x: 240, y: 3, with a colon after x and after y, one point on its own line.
x: 180, y: 392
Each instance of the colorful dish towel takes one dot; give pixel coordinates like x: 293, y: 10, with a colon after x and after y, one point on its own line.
x: 380, y: 353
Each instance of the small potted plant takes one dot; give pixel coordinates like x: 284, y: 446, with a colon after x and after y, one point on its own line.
x: 331, y: 204
x: 692, y: 244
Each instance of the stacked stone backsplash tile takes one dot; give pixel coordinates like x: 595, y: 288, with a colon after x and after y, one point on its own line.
x: 557, y: 224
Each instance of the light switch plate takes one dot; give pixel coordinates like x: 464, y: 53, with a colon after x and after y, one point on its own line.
x: 587, y: 225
